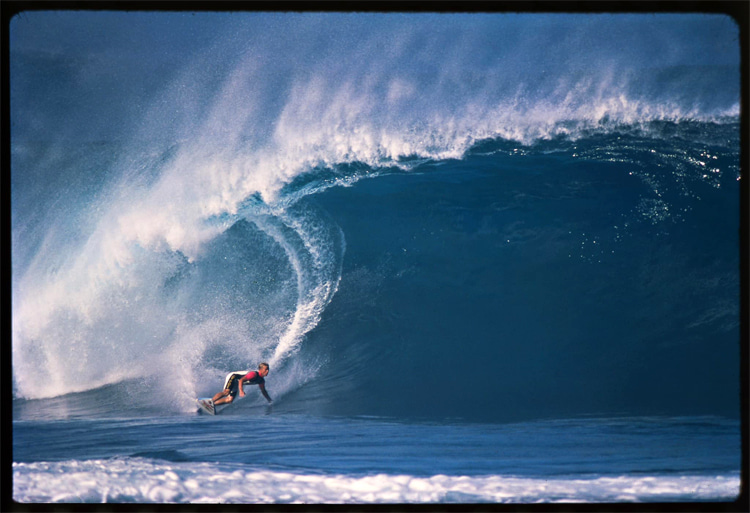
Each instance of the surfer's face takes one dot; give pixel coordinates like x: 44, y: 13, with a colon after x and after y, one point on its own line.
x: 263, y: 371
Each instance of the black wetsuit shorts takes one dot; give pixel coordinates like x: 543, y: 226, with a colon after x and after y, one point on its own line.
x: 233, y: 385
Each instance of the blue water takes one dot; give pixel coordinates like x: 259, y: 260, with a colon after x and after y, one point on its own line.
x: 299, y: 458
x: 481, y: 270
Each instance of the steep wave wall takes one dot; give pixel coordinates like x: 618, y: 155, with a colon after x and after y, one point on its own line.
x: 178, y: 216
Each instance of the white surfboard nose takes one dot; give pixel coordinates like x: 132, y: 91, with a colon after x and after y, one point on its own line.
x: 206, y: 405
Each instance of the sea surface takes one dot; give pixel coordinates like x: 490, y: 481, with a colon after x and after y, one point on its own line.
x: 490, y: 258
x: 249, y: 457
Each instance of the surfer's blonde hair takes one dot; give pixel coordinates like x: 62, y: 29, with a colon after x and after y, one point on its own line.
x: 264, y: 364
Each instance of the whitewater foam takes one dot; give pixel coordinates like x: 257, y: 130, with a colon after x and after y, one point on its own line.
x: 144, y: 480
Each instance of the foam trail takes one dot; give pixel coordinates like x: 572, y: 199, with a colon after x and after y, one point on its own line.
x: 142, y: 480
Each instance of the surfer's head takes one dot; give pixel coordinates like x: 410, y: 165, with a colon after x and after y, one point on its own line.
x: 263, y: 369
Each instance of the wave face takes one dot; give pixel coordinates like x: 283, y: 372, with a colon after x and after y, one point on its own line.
x: 183, y: 212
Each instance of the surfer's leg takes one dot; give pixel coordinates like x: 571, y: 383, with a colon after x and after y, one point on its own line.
x: 219, y: 395
x: 225, y: 397
x: 224, y: 400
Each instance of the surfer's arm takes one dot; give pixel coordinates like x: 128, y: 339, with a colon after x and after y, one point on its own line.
x: 263, y: 391
x: 240, y: 386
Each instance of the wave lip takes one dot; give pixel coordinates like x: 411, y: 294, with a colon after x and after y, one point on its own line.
x: 144, y: 480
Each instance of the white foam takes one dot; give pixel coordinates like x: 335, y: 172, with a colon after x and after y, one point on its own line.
x: 141, y: 480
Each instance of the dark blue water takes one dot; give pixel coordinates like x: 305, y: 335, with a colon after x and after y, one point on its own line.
x: 486, y: 260
x: 503, y: 285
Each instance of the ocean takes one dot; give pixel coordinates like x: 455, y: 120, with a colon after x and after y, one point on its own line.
x: 490, y: 258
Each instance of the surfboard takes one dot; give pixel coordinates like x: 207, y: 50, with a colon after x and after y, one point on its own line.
x: 205, y: 405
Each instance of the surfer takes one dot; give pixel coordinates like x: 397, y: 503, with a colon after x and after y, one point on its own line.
x: 237, y: 380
